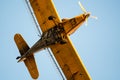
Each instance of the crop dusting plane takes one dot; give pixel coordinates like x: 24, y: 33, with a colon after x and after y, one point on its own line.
x: 56, y: 37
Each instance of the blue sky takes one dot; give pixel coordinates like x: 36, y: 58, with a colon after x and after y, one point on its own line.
x: 98, y: 44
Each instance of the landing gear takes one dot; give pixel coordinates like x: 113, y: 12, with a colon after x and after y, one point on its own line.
x: 55, y: 34
x: 63, y: 42
x: 51, y: 17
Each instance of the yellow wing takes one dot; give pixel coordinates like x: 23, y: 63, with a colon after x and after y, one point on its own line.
x: 69, y: 61
x: 44, y: 9
x: 65, y: 54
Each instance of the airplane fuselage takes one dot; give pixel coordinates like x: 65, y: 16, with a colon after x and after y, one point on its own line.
x: 56, y: 34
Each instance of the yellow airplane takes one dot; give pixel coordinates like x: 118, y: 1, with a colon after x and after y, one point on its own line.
x: 55, y: 36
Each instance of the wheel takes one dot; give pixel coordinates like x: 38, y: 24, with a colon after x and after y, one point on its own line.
x: 18, y: 57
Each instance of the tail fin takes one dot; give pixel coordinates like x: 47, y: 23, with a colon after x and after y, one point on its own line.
x: 30, y: 60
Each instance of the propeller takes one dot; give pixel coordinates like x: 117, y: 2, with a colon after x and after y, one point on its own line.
x: 82, y: 8
x: 86, y: 13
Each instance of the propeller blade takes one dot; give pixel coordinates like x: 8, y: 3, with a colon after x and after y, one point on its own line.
x: 81, y: 6
x: 87, y: 14
x: 86, y: 22
x: 94, y: 17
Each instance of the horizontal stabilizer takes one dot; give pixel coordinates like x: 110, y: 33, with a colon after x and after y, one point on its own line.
x: 30, y: 60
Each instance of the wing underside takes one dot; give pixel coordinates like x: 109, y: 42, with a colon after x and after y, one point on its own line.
x: 69, y: 61
x: 42, y: 10
x: 65, y: 54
